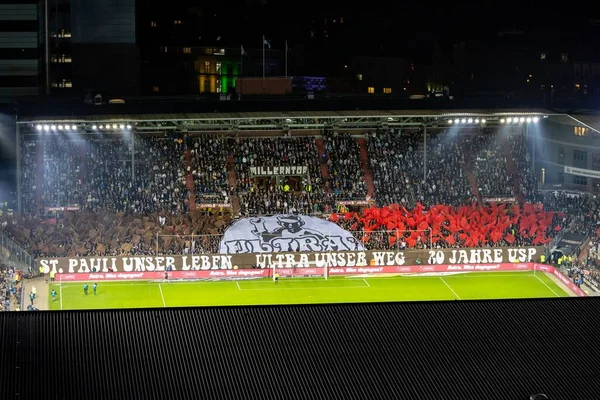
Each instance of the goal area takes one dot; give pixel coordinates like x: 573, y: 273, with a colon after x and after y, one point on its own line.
x: 298, y: 271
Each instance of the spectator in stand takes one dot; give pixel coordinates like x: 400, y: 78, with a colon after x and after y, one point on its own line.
x: 343, y: 160
x: 265, y: 197
x: 397, y: 165
x: 523, y: 174
x: 209, y: 168
x: 489, y: 164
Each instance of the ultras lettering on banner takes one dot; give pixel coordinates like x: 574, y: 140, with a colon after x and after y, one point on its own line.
x: 311, y: 260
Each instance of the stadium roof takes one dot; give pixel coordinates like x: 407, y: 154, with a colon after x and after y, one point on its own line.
x: 278, y: 120
x: 429, y: 350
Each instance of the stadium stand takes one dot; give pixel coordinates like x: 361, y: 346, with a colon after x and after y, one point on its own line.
x: 209, y: 168
x: 342, y: 155
x: 466, y: 350
x: 397, y: 162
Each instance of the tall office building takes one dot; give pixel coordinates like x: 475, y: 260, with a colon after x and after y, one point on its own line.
x: 92, y: 48
x: 21, y: 55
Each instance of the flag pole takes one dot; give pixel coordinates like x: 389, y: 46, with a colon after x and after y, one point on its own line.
x: 264, y: 65
x: 286, y: 51
x: 241, y: 70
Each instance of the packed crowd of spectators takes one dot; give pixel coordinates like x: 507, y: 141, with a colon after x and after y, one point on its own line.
x: 397, y: 158
x: 489, y: 164
x: 29, y: 173
x: 85, y: 233
x: 63, y: 161
x: 209, y: 168
x: 342, y: 155
x: 10, y: 290
x: 266, y: 196
x: 519, y: 151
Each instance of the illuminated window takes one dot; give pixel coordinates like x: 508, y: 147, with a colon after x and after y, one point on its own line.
x: 164, y: 49
x: 359, y: 77
x: 577, y: 86
x: 65, y: 83
x: 153, y: 24
x: 155, y: 89
x: 580, y: 131
x: 387, y: 90
x: 177, y: 22
x: 218, y: 68
x: 187, y: 50
x: 207, y: 67
x: 62, y: 58
x: 564, y: 57
x: 542, y: 56
x: 371, y: 89
x: 341, y: 20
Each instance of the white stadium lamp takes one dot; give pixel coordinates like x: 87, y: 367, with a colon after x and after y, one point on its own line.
x: 522, y: 120
x: 53, y: 127
x: 46, y: 128
x: 128, y: 126
x: 483, y: 121
x: 509, y: 120
x: 114, y: 126
x: 470, y: 120
x: 528, y: 119
x: 476, y: 120
x: 74, y: 127
x: 515, y: 120
x: 456, y: 121
x: 39, y: 127
x: 464, y: 120
x: 449, y: 121
x: 535, y: 119
x: 121, y: 126
x: 60, y: 127
x: 502, y: 121
x: 94, y: 127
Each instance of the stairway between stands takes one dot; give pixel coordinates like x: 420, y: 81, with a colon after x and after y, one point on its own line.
x: 322, y: 163
x: 513, y: 171
x: 364, y: 161
x: 232, y: 175
x: 189, y: 181
x: 471, y: 175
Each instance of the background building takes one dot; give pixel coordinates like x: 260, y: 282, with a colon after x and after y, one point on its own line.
x: 21, y: 49
x: 92, y: 47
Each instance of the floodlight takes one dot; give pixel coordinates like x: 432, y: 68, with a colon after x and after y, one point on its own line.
x: 502, y: 121
x: 483, y: 121
x: 128, y: 126
x: 74, y: 127
x: 509, y: 120
x: 464, y: 120
x: 449, y: 121
x: 121, y: 126
x: 94, y: 127
x: 535, y: 119
x: 39, y: 127
x: 522, y: 120
x: 476, y: 120
x: 114, y: 126
x: 515, y: 120
x: 528, y: 119
x: 60, y: 127
x: 456, y: 121
x: 53, y: 127
x: 46, y: 128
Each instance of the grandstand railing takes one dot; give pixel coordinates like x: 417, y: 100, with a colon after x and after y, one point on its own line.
x: 13, y: 254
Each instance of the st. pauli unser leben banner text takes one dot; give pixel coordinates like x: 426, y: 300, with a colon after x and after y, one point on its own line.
x: 206, y: 262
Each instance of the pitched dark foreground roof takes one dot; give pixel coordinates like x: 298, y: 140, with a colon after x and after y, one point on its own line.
x: 444, y: 350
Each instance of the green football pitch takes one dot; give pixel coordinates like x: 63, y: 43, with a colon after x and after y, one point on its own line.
x: 465, y: 286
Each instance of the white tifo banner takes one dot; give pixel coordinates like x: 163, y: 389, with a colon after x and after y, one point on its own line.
x: 286, y: 233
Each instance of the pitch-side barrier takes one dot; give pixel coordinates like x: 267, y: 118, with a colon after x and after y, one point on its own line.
x: 217, y: 274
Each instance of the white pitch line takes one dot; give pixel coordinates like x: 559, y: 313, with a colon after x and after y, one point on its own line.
x: 365, y: 281
x: 60, y: 290
x: 449, y: 287
x: 238, y: 285
x: 545, y: 284
x: 161, y: 295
